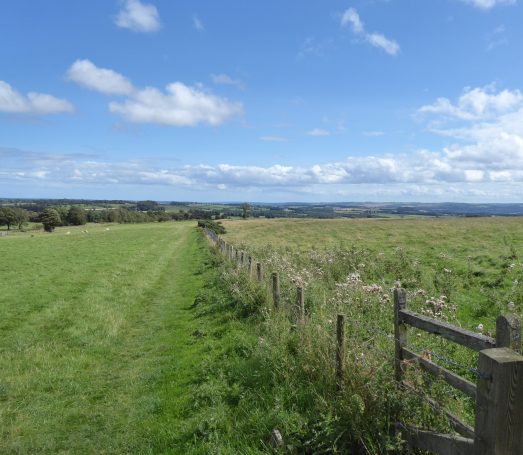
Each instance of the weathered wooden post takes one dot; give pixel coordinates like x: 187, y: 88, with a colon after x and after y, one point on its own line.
x: 275, y: 290
x: 259, y: 272
x: 242, y: 261
x: 300, y: 305
x: 499, y: 403
x: 340, y: 352
x: 249, y: 266
x: 508, y: 332
x: 400, y: 331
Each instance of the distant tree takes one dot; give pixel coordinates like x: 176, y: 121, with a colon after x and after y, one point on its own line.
x: 246, y: 210
x: 7, y: 217
x: 50, y: 218
x: 21, y: 216
x: 76, y: 216
x: 148, y: 206
x: 63, y: 212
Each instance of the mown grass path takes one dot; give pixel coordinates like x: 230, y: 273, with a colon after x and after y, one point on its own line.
x: 96, y: 345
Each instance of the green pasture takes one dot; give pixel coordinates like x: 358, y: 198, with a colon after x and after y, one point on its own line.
x: 477, y: 261
x: 98, y: 352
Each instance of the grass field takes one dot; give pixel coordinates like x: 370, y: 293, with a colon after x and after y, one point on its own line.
x: 137, y: 339
x: 478, y: 262
x: 97, y: 353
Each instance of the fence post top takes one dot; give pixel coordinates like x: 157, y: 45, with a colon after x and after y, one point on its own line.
x: 502, y: 355
x: 511, y: 319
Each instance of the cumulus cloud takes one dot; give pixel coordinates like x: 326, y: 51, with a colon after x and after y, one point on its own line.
x: 88, y: 75
x: 488, y: 136
x: 351, y: 18
x: 489, y: 4
x: 138, y: 16
x: 474, y: 164
x: 12, y: 101
x: 476, y: 103
x: 178, y: 105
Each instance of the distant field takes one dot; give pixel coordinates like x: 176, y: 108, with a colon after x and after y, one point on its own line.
x: 96, y: 350
x: 479, y: 261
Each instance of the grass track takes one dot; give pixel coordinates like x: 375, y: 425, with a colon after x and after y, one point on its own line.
x: 96, y: 353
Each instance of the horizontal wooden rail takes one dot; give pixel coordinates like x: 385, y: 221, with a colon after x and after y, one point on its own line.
x: 464, y: 337
x: 439, y: 443
x: 467, y: 387
x: 454, y: 421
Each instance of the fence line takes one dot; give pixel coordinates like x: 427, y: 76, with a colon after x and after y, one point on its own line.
x: 498, y: 391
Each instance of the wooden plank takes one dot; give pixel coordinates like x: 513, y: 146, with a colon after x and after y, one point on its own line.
x: 467, y: 387
x: 437, y: 443
x: 458, y: 335
x: 499, y: 405
x: 454, y: 421
x: 400, y: 331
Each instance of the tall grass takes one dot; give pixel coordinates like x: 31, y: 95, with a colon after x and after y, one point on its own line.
x: 447, y: 274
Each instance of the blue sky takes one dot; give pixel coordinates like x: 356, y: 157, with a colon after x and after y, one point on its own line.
x: 370, y: 100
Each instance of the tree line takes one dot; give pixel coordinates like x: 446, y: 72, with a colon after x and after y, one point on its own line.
x: 51, y: 217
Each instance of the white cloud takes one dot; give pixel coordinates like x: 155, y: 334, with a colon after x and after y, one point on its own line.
x: 224, y: 79
x: 179, y: 105
x: 456, y: 173
x: 374, y: 133
x: 14, y: 102
x: 477, y: 103
x: 273, y: 139
x: 489, y: 4
x: 351, y: 17
x: 88, y: 75
x: 391, y: 47
x: 318, y: 132
x: 198, y: 24
x: 138, y: 16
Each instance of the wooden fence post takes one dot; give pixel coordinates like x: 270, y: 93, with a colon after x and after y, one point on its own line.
x: 499, y: 403
x: 340, y: 352
x: 249, y: 265
x: 300, y: 305
x: 259, y: 271
x: 242, y: 259
x: 400, y: 331
x: 508, y: 332
x: 275, y: 290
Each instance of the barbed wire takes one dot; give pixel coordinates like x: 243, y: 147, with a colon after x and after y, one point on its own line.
x: 427, y: 350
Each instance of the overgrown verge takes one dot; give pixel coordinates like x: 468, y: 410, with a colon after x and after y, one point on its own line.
x: 271, y: 374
